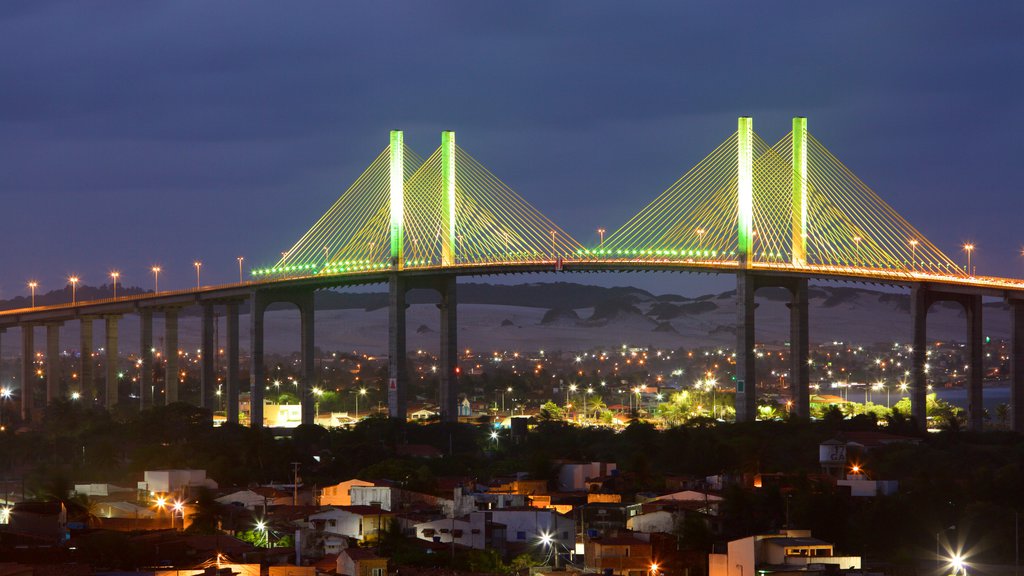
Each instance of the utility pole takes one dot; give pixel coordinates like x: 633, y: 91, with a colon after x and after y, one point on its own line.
x: 295, y: 483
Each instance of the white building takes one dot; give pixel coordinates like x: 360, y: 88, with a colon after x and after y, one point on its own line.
x: 358, y: 522
x: 341, y: 493
x: 167, y: 481
x: 652, y: 522
x: 573, y: 477
x: 787, y: 551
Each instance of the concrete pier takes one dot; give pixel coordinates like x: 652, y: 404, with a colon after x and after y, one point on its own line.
x: 257, y: 368
x: 449, y: 355
x: 746, y: 378
x: 87, y: 382
x: 146, y: 355
x: 53, y: 367
x: 231, y: 383
x: 28, y: 370
x: 397, y: 359
x: 307, y: 347
x: 1017, y: 365
x: 208, y: 353
x: 919, y: 305
x: 799, y: 349
x: 112, y: 395
x: 171, y: 376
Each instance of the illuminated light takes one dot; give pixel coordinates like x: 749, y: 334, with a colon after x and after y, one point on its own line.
x: 397, y: 198
x: 448, y: 254
x: 745, y: 188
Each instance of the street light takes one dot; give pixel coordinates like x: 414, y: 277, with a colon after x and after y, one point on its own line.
x: 316, y: 405
x: 178, y: 507
x: 601, y: 232
x: 74, y: 284
x: 969, y: 248
x: 571, y: 388
x: 156, y: 279
x: 198, y: 265
x: 913, y: 253
x: 114, y: 276
x: 261, y: 526
x: 362, y: 392
x: 240, y: 259
x: 5, y: 394
x: 32, y: 285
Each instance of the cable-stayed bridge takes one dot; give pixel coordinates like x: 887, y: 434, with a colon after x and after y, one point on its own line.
x: 775, y: 215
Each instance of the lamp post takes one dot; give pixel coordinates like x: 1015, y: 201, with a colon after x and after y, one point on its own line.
x: 5, y: 394
x: 32, y: 285
x: 589, y: 391
x: 600, y: 232
x: 114, y: 276
x: 856, y: 242
x: 74, y: 285
x: 240, y: 260
x: 700, y: 239
x: 571, y: 388
x: 198, y: 265
x: 969, y: 248
x: 316, y: 405
x: 156, y: 279
x: 913, y: 253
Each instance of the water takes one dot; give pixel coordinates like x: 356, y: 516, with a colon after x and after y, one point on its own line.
x: 992, y: 396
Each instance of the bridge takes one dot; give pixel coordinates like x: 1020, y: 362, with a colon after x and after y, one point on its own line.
x: 773, y: 215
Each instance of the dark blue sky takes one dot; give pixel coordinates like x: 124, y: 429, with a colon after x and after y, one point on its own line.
x: 140, y: 132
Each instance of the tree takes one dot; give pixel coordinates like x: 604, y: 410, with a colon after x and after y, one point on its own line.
x: 552, y: 411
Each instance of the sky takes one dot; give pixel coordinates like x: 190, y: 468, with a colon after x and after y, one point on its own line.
x: 137, y: 133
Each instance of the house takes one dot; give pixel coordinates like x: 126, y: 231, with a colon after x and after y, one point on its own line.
x: 356, y: 522
x: 341, y: 493
x: 621, y: 554
x: 174, y: 481
x: 423, y: 414
x: 700, y: 501
x: 573, y: 476
x: 786, y: 551
x: 259, y: 498
x: 477, y: 531
x: 361, y: 562
x: 528, y: 525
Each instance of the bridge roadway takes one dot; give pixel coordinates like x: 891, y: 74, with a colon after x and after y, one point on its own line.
x: 925, y: 289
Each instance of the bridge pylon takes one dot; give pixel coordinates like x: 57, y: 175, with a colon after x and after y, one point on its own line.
x: 745, y: 190
x: 448, y: 254
x: 396, y: 205
x: 799, y: 191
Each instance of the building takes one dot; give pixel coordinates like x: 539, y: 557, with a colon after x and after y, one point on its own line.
x: 341, y: 493
x: 785, y: 551
x: 477, y: 530
x: 621, y: 554
x: 361, y: 562
x: 572, y: 477
x: 174, y: 481
x: 259, y: 498
x: 356, y: 522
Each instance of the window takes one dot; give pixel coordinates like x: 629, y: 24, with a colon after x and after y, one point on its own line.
x: 377, y: 572
x: 520, y: 535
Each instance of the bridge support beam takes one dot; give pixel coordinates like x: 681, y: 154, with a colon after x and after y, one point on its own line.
x: 799, y: 349
x: 171, y: 377
x: 449, y: 356
x: 308, y: 348
x: 231, y: 383
x: 747, y: 284
x: 397, y: 200
x: 53, y: 367
x: 921, y: 299
x: 919, y: 305
x: 111, y: 361
x: 87, y: 382
x: 448, y: 254
x: 208, y: 351
x: 1017, y: 365
x: 146, y: 355
x: 28, y: 372
x: 257, y: 368
x: 975, y: 363
x: 746, y: 382
x: 397, y: 376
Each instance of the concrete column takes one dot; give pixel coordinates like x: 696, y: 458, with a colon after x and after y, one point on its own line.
x: 28, y: 370
x: 307, y: 348
x: 146, y: 355
x: 397, y: 377
x: 86, y: 372
x: 799, y: 345
x: 746, y: 377
x: 799, y: 217
x: 231, y: 382
x: 975, y: 364
x: 1017, y: 365
x: 396, y: 199
x: 111, y: 361
x: 449, y: 355
x: 171, y: 377
x: 919, y: 388
x: 52, y: 362
x: 208, y: 350
x: 257, y: 371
